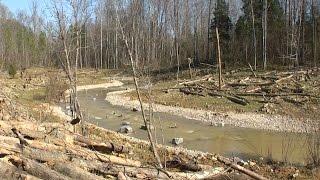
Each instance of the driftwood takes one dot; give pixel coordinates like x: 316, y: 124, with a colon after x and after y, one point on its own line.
x: 240, y: 168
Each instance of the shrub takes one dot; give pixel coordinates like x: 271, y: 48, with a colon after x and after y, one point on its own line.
x: 55, y: 88
x: 12, y: 70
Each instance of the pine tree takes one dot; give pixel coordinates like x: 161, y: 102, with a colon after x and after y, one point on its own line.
x: 223, y: 22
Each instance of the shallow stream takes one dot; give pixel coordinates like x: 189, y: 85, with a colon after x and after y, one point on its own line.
x: 230, y: 141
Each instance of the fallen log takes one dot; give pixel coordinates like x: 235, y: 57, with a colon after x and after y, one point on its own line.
x: 23, y: 142
x: 117, y: 160
x: 167, y: 90
x: 45, y: 156
x: 8, y: 171
x: 205, y: 78
x: 141, y: 172
x: 183, y: 165
x: 283, y: 79
x: 275, y: 95
x: 11, y: 144
x: 188, y: 91
x: 251, y: 69
x: 252, y: 90
x: 238, y: 100
x: 293, y: 101
x: 240, y: 168
x: 250, y: 84
x: 74, y: 172
x: 34, y: 144
x: 36, y: 154
x: 40, y: 170
x: 105, y: 147
x: 112, y: 169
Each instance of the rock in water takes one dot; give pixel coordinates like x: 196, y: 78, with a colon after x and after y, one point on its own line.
x: 134, y: 109
x: 177, y: 141
x: 125, y: 129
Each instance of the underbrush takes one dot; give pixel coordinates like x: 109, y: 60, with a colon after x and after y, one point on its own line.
x: 55, y: 89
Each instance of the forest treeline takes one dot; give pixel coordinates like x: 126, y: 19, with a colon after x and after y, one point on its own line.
x: 161, y: 33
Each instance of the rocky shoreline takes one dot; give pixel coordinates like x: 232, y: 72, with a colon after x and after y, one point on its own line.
x: 244, y: 120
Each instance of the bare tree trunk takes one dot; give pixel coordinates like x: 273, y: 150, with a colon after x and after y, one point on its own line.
x: 314, y: 33
x: 265, y: 14
x: 302, y: 33
x: 208, y: 40
x: 254, y: 36
x: 219, y: 59
x: 115, y: 65
x: 150, y: 137
x: 101, y: 45
x: 195, y: 38
x: 176, y: 12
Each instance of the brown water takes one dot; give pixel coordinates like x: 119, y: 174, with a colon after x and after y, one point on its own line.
x: 228, y: 140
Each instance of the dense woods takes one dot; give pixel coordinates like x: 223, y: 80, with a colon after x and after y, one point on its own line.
x: 162, y: 34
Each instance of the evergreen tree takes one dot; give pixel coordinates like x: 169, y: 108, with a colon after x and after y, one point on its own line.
x: 222, y: 20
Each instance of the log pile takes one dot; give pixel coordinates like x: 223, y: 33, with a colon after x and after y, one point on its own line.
x: 271, y: 86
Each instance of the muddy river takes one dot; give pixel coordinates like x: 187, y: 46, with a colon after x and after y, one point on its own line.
x: 230, y: 141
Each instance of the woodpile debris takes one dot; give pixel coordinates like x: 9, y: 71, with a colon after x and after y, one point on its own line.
x: 271, y: 87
